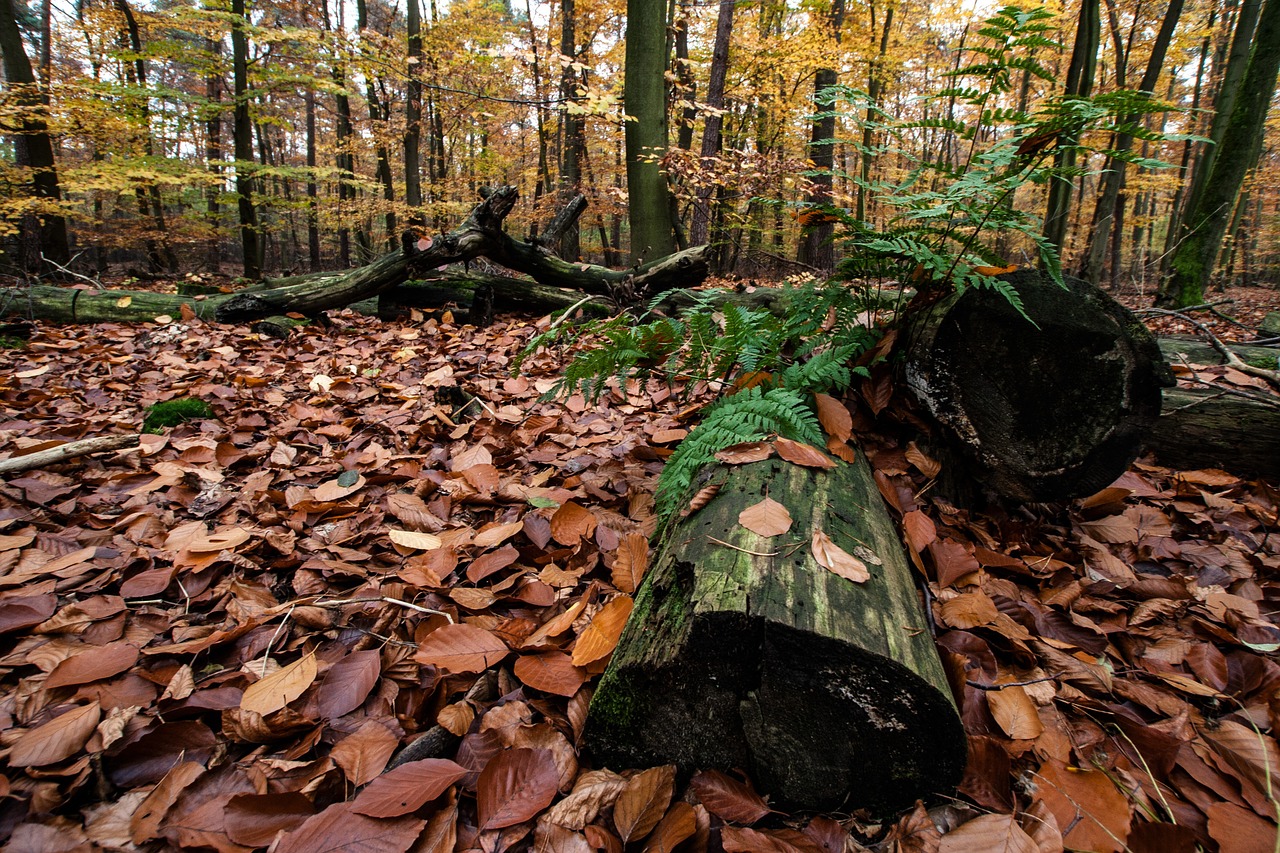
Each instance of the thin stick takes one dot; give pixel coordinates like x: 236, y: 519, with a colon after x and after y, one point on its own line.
x: 63, y: 452
x: 744, y: 550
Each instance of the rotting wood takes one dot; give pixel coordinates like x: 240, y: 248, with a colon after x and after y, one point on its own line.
x: 64, y: 452
x: 1210, y: 428
x: 1044, y: 409
x: 744, y: 652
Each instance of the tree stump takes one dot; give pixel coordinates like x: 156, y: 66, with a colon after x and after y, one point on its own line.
x: 743, y: 652
x: 1041, y: 410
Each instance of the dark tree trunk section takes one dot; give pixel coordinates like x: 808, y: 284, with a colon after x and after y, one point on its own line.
x: 1208, y: 428
x: 746, y: 653
x: 1041, y: 412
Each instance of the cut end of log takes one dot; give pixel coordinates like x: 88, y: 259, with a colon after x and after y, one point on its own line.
x: 1040, y: 412
x: 819, y: 723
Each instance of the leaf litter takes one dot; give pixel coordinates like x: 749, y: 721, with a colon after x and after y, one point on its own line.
x: 244, y: 632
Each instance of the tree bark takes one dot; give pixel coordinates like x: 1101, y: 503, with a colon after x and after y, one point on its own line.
x: 741, y: 651
x: 1206, y: 224
x: 644, y: 98
x: 1042, y: 412
x: 1080, y: 76
x: 1207, y: 428
x: 816, y: 248
x: 242, y: 137
x: 700, y: 229
x: 63, y: 452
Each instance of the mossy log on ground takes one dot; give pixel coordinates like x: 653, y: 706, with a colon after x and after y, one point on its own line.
x: 1035, y: 411
x: 741, y: 651
x: 1209, y: 428
x: 1196, y: 351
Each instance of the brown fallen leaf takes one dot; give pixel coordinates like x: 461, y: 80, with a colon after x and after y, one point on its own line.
x: 601, y: 636
x: 766, y: 518
x: 270, y: 694
x: 461, y: 648
x: 56, y: 740
x: 805, y: 455
x: 643, y: 802
x: 834, y: 558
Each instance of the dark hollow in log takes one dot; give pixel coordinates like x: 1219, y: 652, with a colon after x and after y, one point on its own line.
x: 1042, y: 412
x: 1207, y: 428
x: 744, y: 652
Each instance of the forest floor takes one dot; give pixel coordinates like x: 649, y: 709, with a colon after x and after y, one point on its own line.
x: 219, y: 640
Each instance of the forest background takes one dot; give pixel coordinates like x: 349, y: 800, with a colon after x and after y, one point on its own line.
x: 285, y: 136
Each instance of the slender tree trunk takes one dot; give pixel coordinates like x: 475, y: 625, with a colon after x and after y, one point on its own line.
x: 699, y: 231
x: 648, y: 197
x: 1080, y: 75
x: 413, y: 117
x: 242, y: 133
x: 875, y: 86
x: 816, y: 249
x: 313, y: 191
x: 213, y: 152
x: 1207, y: 222
x: 379, y: 115
x: 687, y: 88
x: 43, y: 234
x: 573, y: 137
x: 1113, y: 176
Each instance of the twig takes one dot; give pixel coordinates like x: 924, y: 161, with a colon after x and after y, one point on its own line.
x: 54, y: 263
x: 744, y: 550
x: 339, y: 602
x: 63, y: 452
x: 978, y: 685
x: 1233, y: 360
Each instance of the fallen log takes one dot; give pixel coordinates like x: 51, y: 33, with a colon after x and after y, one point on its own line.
x: 741, y: 651
x: 1041, y: 409
x: 1214, y: 428
x: 480, y: 234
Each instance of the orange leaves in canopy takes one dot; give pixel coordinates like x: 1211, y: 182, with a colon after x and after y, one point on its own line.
x: 461, y: 648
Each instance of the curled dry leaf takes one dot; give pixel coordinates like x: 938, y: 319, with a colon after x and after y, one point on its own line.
x: 920, y: 530
x: 550, y: 672
x: 630, y: 562
x: 365, y: 752
x: 700, y: 499
x: 924, y: 463
x: 767, y: 518
x: 340, y: 828
x: 643, y: 802
x: 270, y: 694
x: 594, y: 791
x: 461, y: 648
x: 93, y: 664
x: 834, y: 558
x: 601, y: 636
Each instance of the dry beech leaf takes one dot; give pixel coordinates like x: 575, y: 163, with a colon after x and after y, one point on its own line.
x: 679, y: 823
x: 727, y: 798
x: 740, y: 839
x: 270, y: 694
x: 747, y: 452
x: 572, y: 523
x: 408, y: 787
x: 969, y: 610
x: 919, y: 529
x: 924, y: 463
x: 363, y: 753
x: 515, y: 786
x: 56, y: 740
x: 834, y: 558
x: 340, y: 828
x: 497, y: 534
x: 456, y: 718
x: 93, y: 664
x: 461, y: 648
x: 643, y: 802
x: 220, y: 540
x: 601, y: 636
x: 805, y: 455
x: 1015, y: 713
x: 1095, y: 814
x: 348, y: 683
x: 254, y: 819
x: 834, y: 417
x: 414, y: 540
x: 988, y: 833
x: 593, y: 791
x: 767, y: 518
x: 550, y: 672
x: 630, y: 562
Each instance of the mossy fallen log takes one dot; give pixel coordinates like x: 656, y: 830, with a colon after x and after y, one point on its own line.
x: 1044, y: 407
x: 742, y: 651
x: 1211, y: 428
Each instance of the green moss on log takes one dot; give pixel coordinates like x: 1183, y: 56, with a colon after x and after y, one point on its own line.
x: 170, y: 413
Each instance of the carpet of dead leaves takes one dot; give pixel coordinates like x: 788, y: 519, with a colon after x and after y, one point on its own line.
x: 226, y: 638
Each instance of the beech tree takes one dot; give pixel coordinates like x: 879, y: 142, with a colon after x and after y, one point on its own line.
x: 649, y: 202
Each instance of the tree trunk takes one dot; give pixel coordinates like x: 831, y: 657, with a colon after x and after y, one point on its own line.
x: 1041, y: 412
x: 700, y: 229
x: 242, y: 133
x: 1080, y: 74
x: 742, y: 652
x: 1206, y: 224
x: 1207, y: 428
x: 413, y: 115
x: 816, y: 248
x: 45, y: 233
x: 644, y: 98
x: 573, y: 142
